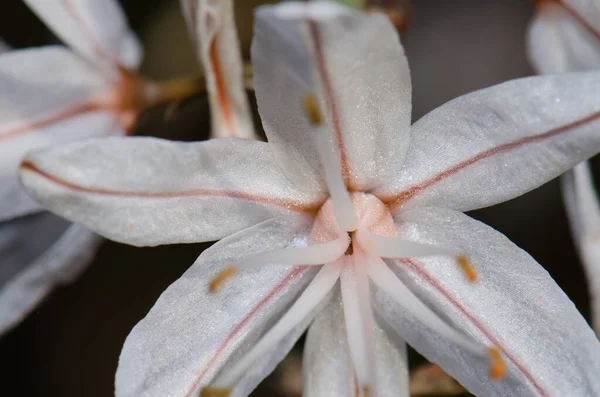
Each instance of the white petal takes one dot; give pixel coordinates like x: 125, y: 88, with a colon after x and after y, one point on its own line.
x: 548, y: 348
x: 583, y: 209
x: 558, y: 41
x: 48, y: 96
x: 308, y: 303
x: 146, y: 191
x: 360, y: 325
x: 498, y: 143
x: 37, y: 253
x: 190, y: 335
x: 98, y: 30
x: 212, y: 25
x: 14, y: 200
x: 355, y: 64
x: 327, y: 366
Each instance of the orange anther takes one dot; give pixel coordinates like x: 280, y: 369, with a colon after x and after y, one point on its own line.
x: 467, y: 268
x: 497, y: 367
x: 215, y: 391
x: 220, y: 279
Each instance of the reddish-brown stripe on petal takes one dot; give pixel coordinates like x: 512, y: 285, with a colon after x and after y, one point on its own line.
x: 59, y: 116
x: 28, y: 166
x: 419, y: 271
x: 407, y: 194
x: 330, y: 100
x: 294, y: 273
x: 220, y: 85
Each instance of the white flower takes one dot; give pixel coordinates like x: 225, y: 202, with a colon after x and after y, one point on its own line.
x: 565, y: 37
x: 212, y: 25
x: 53, y: 95
x: 349, y: 220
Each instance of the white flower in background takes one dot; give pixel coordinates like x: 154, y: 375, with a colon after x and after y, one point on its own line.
x: 53, y: 95
x: 349, y: 220
x: 212, y: 25
x: 565, y: 37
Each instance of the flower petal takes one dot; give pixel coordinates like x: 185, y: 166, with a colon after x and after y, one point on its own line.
x: 212, y: 26
x: 49, y: 96
x: 327, y: 366
x: 356, y: 66
x: 515, y: 306
x: 583, y: 209
x: 147, y: 191
x: 499, y: 142
x: 190, y: 335
x: 14, y: 200
x: 559, y: 41
x: 98, y: 30
x: 37, y: 253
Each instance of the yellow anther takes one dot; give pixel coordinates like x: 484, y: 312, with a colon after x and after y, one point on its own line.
x: 311, y: 107
x: 215, y: 391
x: 467, y: 267
x: 497, y: 367
x: 220, y: 279
x: 365, y: 392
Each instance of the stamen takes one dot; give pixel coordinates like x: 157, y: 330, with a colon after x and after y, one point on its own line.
x: 497, y: 366
x: 342, y: 204
x: 385, y: 279
x: 220, y: 278
x: 315, y: 254
x: 358, y: 315
x: 304, y: 305
x: 215, y: 391
x: 467, y: 268
x: 365, y: 392
x: 394, y: 247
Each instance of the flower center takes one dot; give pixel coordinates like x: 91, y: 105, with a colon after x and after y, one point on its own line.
x: 373, y: 216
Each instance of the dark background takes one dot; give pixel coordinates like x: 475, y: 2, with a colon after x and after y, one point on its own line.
x: 70, y: 345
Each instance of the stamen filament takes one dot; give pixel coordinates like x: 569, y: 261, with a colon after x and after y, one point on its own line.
x: 342, y: 204
x: 358, y: 315
x: 394, y: 247
x: 385, y: 279
x: 304, y: 305
x: 157, y: 93
x: 315, y: 254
